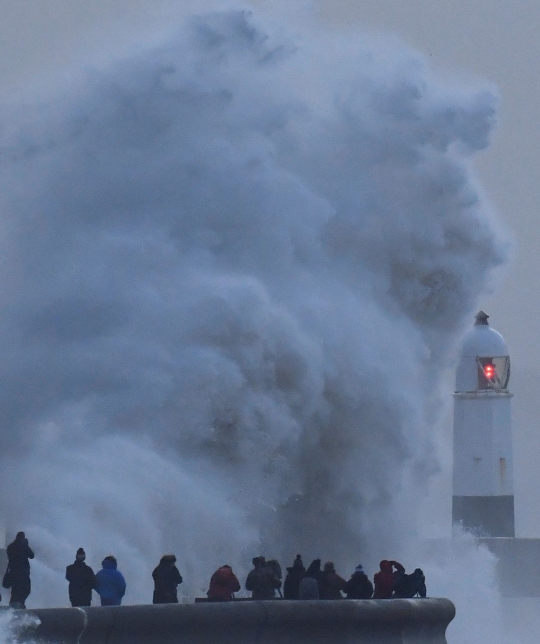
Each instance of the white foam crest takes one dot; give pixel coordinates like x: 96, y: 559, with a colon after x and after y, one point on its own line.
x: 16, y: 626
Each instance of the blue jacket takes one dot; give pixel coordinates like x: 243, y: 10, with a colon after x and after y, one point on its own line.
x: 110, y: 583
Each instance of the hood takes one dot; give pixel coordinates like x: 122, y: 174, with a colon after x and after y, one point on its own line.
x: 109, y: 564
x: 224, y: 572
x: 167, y: 560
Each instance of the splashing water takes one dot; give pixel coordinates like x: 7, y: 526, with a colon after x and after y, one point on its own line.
x: 16, y: 626
x: 233, y: 269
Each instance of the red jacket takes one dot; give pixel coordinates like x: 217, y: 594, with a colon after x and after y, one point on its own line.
x: 222, y: 585
x: 386, y: 578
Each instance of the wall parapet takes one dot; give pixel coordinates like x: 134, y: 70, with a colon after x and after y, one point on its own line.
x: 394, y: 621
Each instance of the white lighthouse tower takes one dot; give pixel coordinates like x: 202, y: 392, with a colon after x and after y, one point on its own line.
x: 483, y: 487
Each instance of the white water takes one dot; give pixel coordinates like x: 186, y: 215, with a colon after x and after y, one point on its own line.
x: 234, y: 270
x: 15, y: 626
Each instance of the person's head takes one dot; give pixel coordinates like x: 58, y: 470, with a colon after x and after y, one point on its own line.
x: 20, y: 536
x: 329, y: 567
x: 385, y: 566
x: 258, y: 561
x: 109, y: 562
x: 314, y: 566
x: 418, y: 572
x: 169, y: 560
x: 81, y: 555
x: 298, y: 563
x: 359, y: 568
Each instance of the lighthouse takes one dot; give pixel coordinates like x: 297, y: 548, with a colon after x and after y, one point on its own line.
x: 483, y: 482
x: 483, y: 486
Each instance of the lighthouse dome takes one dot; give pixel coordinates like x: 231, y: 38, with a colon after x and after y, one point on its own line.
x: 484, y: 341
x: 484, y: 360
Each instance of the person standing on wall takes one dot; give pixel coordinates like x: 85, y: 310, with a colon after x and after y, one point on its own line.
x: 332, y: 584
x: 311, y: 584
x: 166, y: 580
x: 223, y: 584
x: 17, y: 575
x: 81, y: 581
x: 359, y: 586
x: 262, y: 581
x: 386, y: 578
x: 110, y: 583
x: 408, y: 586
x: 291, y: 587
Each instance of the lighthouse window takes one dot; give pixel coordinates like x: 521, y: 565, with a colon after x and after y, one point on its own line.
x: 493, y: 372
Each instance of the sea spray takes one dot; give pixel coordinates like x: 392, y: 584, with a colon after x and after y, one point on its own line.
x: 17, y: 627
x: 234, y: 268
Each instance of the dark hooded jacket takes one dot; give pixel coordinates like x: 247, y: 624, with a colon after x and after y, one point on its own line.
x: 411, y: 585
x: 18, y: 570
x: 359, y: 586
x: 81, y: 583
x: 222, y: 585
x: 19, y: 553
x: 332, y: 584
x: 166, y: 580
x: 262, y: 581
x: 110, y: 583
x: 291, y: 587
x: 386, y: 579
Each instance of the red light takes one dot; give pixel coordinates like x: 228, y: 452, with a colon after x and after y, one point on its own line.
x: 489, y: 370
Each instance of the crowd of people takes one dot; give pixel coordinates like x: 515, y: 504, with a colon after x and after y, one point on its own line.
x: 264, y: 582
x: 390, y: 582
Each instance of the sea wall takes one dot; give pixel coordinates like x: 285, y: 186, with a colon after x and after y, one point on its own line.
x: 399, y: 621
x: 516, y: 558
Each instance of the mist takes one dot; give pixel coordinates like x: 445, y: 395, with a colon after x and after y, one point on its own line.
x: 235, y: 269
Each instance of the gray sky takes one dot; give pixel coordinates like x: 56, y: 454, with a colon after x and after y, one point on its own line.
x: 495, y: 40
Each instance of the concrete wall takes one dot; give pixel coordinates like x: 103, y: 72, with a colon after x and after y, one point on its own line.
x: 489, y: 516
x: 518, y: 566
x: 399, y: 621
